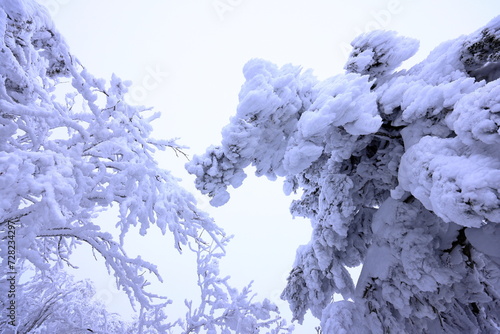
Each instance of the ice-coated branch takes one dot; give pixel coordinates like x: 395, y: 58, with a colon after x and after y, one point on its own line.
x: 128, y: 272
x: 224, y: 309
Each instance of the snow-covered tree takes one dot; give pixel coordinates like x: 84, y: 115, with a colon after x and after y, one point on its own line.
x: 70, y: 148
x: 55, y: 303
x: 398, y: 171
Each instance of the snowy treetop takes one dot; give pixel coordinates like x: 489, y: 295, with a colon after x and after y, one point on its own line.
x: 398, y: 170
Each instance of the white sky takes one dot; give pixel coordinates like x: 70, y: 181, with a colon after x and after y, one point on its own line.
x: 186, y: 60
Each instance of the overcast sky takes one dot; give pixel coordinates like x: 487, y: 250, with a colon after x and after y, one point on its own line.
x: 185, y: 58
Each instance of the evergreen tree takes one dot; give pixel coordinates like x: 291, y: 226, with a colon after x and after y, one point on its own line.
x: 398, y: 171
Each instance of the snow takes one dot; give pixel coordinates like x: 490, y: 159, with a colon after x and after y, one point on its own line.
x: 485, y: 239
x: 458, y: 184
x: 342, y: 318
x: 476, y: 116
x: 378, y: 53
x: 299, y: 158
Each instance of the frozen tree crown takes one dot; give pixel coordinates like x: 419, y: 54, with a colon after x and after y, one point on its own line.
x: 398, y: 170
